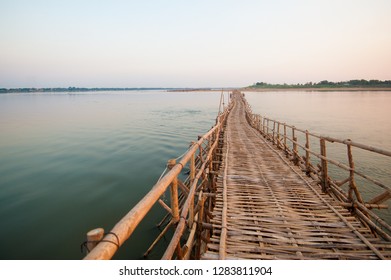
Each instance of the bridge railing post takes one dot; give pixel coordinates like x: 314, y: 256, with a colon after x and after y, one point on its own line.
x: 307, y: 152
x: 274, y: 130
x: 324, y: 171
x: 93, y: 238
x: 278, y: 135
x: 267, y: 129
x: 192, y: 176
x: 260, y: 123
x: 294, y: 146
x: 285, y: 147
x: 174, y: 193
x: 352, y: 182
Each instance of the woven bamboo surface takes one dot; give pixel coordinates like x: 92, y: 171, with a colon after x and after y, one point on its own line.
x: 266, y: 208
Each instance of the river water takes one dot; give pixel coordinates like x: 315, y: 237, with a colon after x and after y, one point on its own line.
x: 73, y: 162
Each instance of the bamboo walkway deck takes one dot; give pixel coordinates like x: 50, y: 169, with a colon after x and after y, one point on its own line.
x: 267, y: 208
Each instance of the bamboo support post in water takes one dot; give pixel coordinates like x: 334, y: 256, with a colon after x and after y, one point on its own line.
x: 260, y: 123
x: 381, y: 198
x: 267, y: 128
x: 158, y: 238
x: 295, y: 152
x: 294, y: 146
x: 274, y: 129
x: 352, y: 182
x: 285, y: 147
x: 307, y: 153
x: 174, y: 193
x: 94, y: 237
x: 192, y: 176
x: 324, y: 173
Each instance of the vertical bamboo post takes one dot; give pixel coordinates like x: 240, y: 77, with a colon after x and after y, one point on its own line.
x: 285, y: 147
x: 263, y: 126
x: 174, y: 194
x: 200, y: 153
x: 307, y: 153
x: 352, y: 182
x: 94, y: 237
x: 179, y: 252
x: 192, y: 176
x: 267, y: 128
x: 324, y: 173
x: 294, y: 146
x: 274, y: 129
x: 221, y: 98
x: 260, y: 123
x: 278, y: 135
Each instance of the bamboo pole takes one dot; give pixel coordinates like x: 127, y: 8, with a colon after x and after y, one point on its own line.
x: 295, y: 152
x: 260, y: 123
x: 359, y: 145
x: 381, y: 197
x: 192, y: 176
x: 94, y: 237
x: 307, y: 154
x: 174, y: 193
x: 324, y: 173
x: 223, y: 235
x: 352, y: 182
x: 367, y: 205
x: 158, y: 238
x: 221, y: 98
x: 274, y: 129
x: 165, y: 206
x: 294, y: 145
x: 267, y: 128
x: 190, y: 241
x: 346, y: 141
x: 201, y: 215
x: 285, y: 146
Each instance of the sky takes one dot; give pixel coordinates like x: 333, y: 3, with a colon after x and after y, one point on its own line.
x: 200, y: 43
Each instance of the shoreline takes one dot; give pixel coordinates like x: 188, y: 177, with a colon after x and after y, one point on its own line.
x: 318, y: 89
x: 283, y: 89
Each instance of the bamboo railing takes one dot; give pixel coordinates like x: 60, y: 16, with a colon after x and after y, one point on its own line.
x: 190, y: 202
x: 287, y: 141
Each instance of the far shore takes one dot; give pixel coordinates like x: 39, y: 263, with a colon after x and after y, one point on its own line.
x: 285, y: 89
x: 319, y: 89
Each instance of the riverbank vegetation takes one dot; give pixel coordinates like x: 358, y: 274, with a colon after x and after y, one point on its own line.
x: 326, y: 84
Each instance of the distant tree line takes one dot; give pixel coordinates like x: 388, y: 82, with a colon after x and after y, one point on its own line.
x: 327, y: 84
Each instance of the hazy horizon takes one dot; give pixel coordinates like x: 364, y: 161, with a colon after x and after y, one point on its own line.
x: 179, y: 44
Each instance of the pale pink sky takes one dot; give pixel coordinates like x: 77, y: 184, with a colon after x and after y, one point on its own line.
x: 192, y: 43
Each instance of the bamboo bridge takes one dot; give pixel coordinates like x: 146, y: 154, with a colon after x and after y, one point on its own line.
x: 244, y: 191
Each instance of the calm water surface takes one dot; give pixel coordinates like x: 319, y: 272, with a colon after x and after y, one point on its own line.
x: 73, y: 162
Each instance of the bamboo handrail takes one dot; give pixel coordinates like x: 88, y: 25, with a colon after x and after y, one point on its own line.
x: 341, y: 141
